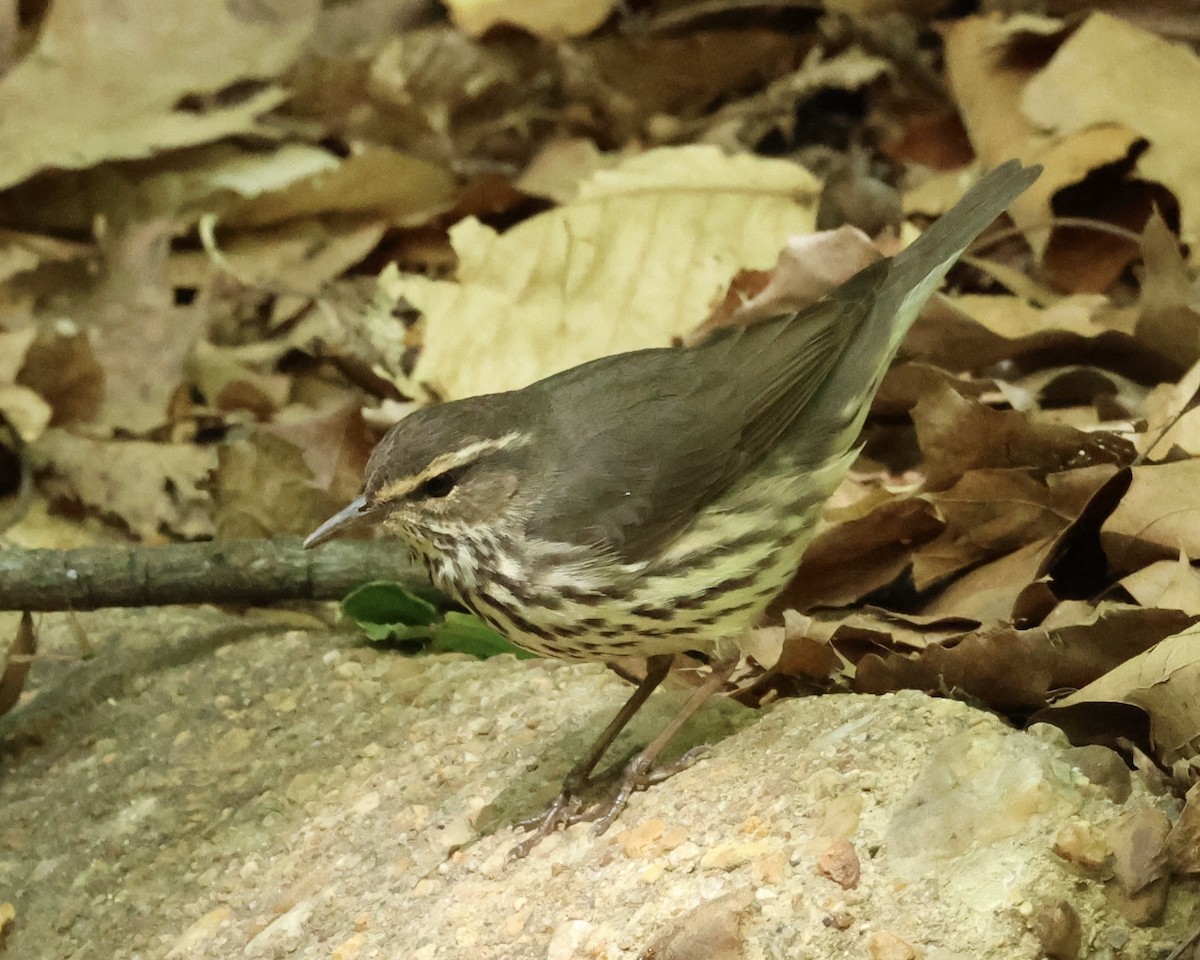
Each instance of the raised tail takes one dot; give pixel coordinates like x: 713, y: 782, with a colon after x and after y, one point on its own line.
x: 917, y: 271
x: 884, y: 300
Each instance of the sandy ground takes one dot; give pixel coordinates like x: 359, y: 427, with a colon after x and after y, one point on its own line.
x: 208, y: 786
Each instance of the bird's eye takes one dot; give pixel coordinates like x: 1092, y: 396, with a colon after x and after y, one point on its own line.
x: 436, y: 487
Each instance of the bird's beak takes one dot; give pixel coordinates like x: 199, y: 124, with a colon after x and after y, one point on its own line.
x: 356, y: 511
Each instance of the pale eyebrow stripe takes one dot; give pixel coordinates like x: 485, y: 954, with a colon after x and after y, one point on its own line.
x: 448, y: 461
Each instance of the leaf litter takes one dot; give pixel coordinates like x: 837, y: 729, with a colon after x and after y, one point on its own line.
x: 203, y: 280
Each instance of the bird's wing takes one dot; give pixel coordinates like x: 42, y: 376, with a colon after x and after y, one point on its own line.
x: 643, y: 441
x: 648, y: 439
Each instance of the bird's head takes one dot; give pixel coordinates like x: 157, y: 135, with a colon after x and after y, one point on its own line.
x: 442, y: 470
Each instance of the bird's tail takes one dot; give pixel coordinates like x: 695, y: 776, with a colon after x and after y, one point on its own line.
x: 886, y: 298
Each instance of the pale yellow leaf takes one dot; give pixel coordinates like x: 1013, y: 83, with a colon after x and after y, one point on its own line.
x: 544, y: 18
x: 1113, y: 72
x: 637, y: 260
x: 122, y: 78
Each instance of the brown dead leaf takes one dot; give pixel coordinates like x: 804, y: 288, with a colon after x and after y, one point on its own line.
x: 803, y: 652
x: 20, y: 251
x: 779, y: 107
x: 449, y: 97
x: 153, y: 489
x: 648, y: 84
x: 850, y: 633
x: 226, y: 383
x: 140, y: 338
x: 298, y: 259
x: 973, y: 332
x: 1157, y: 519
x: 22, y: 408
x: 1078, y: 89
x: 1172, y: 417
x: 334, y: 441
x: 989, y: 593
x: 987, y: 513
x: 1075, y: 565
x: 262, y: 487
x: 1079, y: 258
x: 61, y: 367
x: 859, y: 550
x: 635, y: 261
x: 957, y: 435
x: 809, y: 266
x: 1183, y: 843
x: 986, y: 75
x: 1167, y: 322
x: 1170, y: 584
x: 1009, y: 668
x: 558, y: 169
x: 1017, y: 320
x: 1164, y: 682
x: 17, y: 663
x: 377, y: 183
x: 78, y: 97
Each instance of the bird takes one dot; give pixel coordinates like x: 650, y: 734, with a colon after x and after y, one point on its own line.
x: 654, y: 502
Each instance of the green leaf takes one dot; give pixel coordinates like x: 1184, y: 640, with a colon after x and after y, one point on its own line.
x: 382, y: 603
x: 463, y: 633
x: 388, y: 611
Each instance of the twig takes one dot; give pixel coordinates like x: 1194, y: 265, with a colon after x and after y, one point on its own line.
x: 232, y: 571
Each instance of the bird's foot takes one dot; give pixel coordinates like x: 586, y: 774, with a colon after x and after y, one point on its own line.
x: 638, y: 775
x: 563, y: 812
x: 567, y: 808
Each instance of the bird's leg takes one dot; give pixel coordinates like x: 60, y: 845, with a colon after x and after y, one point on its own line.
x: 638, y: 773
x: 562, y: 811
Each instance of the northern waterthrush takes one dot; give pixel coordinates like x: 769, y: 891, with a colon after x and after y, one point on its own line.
x: 655, y: 502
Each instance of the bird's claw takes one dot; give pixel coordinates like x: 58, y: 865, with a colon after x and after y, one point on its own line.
x: 566, y: 810
x: 562, y: 813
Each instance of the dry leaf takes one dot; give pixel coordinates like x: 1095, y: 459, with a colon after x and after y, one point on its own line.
x: 1078, y: 89
x: 1172, y: 418
x: 295, y: 259
x: 262, y: 487
x: 62, y: 368
x: 559, y: 168
x: 20, y: 252
x: 987, y: 513
x: 809, y: 266
x: 377, y: 182
x: 1183, y: 843
x: 635, y: 261
x: 154, y: 489
x: 957, y: 435
x: 1016, y: 669
x: 1158, y: 518
x: 989, y: 592
x: 78, y: 97
x: 1167, y: 323
x: 17, y: 664
x: 986, y: 80
x: 139, y: 337
x: 1163, y: 681
x: 553, y: 19
x: 858, y: 552
x: 1169, y: 584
